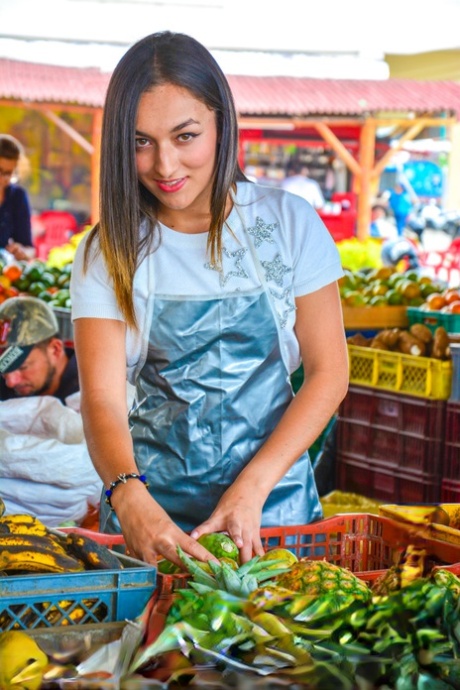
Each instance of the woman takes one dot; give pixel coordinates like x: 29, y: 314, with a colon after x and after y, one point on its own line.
x: 211, y: 289
x: 15, y: 225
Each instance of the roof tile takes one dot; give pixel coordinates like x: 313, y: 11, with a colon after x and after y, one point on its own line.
x: 256, y: 96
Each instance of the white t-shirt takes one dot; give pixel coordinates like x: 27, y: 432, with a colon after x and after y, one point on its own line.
x: 306, y: 188
x: 272, y: 238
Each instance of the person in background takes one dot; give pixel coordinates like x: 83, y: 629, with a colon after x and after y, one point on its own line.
x: 298, y: 182
x: 15, y: 223
x: 401, y: 205
x: 33, y: 358
x: 400, y: 249
x: 210, y: 290
x: 381, y: 226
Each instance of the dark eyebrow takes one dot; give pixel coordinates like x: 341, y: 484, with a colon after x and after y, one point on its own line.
x: 187, y: 123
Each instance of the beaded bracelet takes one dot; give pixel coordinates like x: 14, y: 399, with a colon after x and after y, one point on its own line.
x: 122, y: 479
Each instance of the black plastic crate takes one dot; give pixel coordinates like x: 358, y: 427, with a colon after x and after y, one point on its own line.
x: 451, y: 460
x: 386, y: 484
x: 392, y: 431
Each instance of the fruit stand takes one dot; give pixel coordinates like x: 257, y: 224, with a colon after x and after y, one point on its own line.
x: 362, y: 599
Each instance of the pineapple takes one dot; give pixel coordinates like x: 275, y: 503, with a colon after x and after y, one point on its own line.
x: 410, y: 567
x: 445, y: 578
x: 316, y: 578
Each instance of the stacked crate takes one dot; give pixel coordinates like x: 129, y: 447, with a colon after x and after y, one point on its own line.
x: 450, y: 485
x: 398, y: 432
x: 390, y: 445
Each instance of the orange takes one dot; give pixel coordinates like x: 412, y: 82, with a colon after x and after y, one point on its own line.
x: 454, y: 307
x: 12, y: 272
x: 451, y: 295
x: 435, y: 301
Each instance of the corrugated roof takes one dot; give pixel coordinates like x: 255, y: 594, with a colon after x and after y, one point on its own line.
x: 256, y: 96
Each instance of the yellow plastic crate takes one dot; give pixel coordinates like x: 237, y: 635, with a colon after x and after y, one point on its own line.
x: 421, y: 376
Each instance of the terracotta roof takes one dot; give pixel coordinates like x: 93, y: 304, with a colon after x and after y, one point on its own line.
x: 257, y: 96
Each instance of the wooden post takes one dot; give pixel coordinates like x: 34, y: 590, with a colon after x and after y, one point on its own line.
x: 366, y: 158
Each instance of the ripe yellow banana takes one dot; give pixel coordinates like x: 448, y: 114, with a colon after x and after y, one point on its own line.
x: 19, y: 557
x: 19, y: 523
x: 32, y: 541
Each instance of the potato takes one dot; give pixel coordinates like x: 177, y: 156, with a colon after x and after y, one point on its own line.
x: 389, y: 336
x: 441, y: 344
x: 408, y: 344
x: 421, y: 332
x: 378, y: 344
x: 358, y: 339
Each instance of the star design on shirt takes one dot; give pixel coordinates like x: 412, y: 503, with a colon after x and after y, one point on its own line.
x: 275, y: 270
x: 288, y: 304
x: 261, y: 231
x: 237, y: 272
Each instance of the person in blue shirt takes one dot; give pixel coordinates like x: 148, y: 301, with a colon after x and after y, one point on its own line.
x: 401, y: 205
x: 15, y: 223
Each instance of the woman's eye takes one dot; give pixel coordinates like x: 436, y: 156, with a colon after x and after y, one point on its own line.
x: 141, y: 142
x: 187, y: 136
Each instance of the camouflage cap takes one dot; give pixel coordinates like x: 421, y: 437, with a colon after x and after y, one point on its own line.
x: 24, y: 322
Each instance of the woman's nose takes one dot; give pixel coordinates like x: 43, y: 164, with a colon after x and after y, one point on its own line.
x: 165, y: 161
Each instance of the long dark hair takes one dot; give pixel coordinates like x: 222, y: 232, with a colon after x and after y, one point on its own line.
x: 160, y: 58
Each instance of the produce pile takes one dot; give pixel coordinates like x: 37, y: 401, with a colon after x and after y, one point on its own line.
x: 296, y: 621
x: 37, y: 279
x: 418, y: 341
x: 387, y: 287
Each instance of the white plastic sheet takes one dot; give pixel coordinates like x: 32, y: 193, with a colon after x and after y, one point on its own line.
x: 45, y: 467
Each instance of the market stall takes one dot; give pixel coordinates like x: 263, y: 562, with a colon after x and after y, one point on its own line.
x: 348, y: 119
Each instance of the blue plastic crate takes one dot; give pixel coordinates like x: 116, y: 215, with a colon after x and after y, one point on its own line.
x: 98, y: 596
x: 455, y: 392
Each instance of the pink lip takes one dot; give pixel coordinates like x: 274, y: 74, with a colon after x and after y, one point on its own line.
x: 172, y: 185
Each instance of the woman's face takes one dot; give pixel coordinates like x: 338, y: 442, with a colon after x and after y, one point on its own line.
x: 7, y: 169
x: 176, y: 142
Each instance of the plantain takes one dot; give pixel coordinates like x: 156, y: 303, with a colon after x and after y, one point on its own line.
x: 93, y: 555
x: 22, y: 523
x: 31, y: 542
x: 63, y: 613
x: 19, y: 557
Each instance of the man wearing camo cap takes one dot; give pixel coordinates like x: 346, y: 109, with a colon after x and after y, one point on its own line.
x: 33, y: 357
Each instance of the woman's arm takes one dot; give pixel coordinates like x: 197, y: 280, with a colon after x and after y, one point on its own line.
x: 148, y: 531
x: 321, y: 335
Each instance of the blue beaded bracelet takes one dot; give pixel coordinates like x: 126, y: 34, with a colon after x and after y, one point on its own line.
x: 122, y: 479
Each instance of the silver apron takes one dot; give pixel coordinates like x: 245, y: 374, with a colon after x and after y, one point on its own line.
x: 213, y: 387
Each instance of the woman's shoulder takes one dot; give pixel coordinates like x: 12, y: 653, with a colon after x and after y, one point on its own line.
x: 15, y: 192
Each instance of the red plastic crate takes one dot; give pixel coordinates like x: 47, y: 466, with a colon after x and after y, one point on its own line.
x: 451, y: 460
x: 392, y: 431
x: 385, y: 483
x: 365, y: 544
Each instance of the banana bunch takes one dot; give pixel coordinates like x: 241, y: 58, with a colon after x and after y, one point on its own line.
x: 35, y: 553
x: 27, y: 545
x: 22, y: 523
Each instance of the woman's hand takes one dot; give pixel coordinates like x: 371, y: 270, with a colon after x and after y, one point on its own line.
x: 148, y: 530
x: 20, y: 252
x: 238, y: 513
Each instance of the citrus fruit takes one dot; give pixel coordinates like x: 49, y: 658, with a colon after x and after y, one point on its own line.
x: 287, y: 557
x: 435, y: 301
x: 166, y: 567
x: 21, y: 661
x: 219, y: 545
